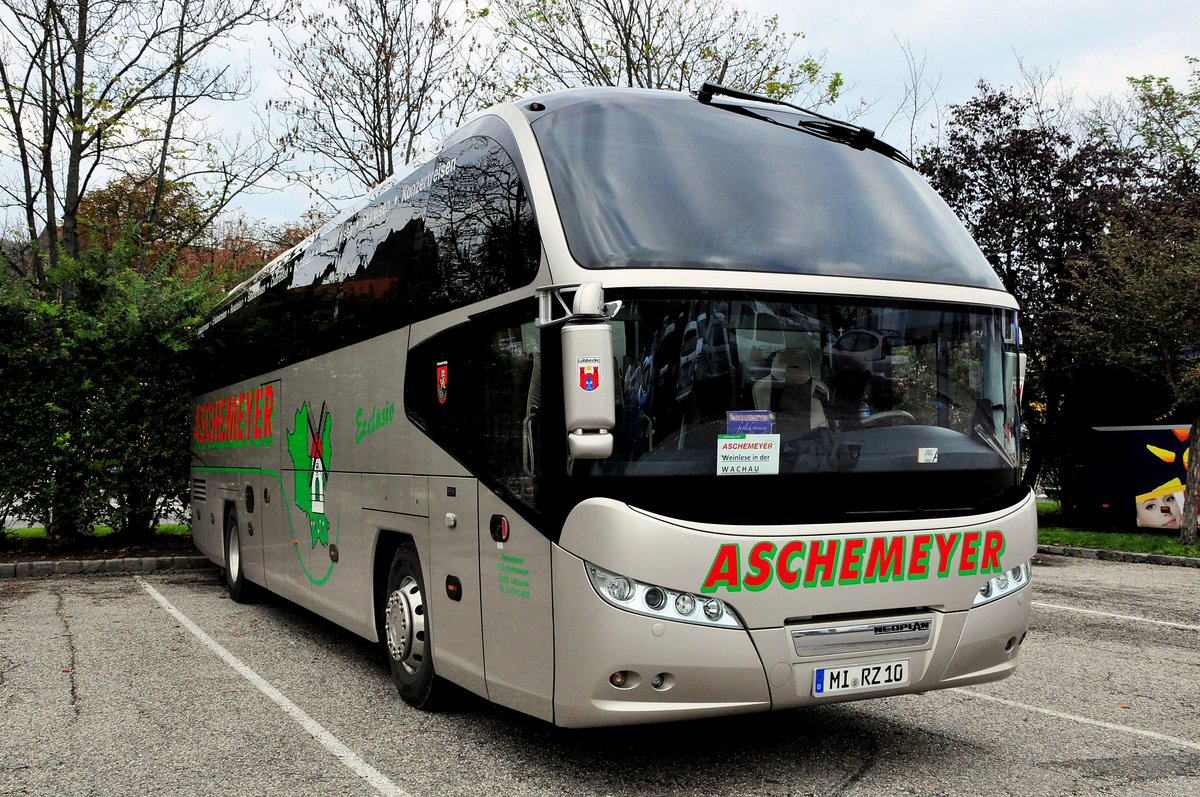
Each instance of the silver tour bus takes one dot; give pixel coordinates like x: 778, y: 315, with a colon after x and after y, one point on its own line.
x: 632, y: 406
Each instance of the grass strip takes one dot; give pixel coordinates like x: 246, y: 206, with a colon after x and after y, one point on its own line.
x: 1133, y: 542
x: 37, y: 532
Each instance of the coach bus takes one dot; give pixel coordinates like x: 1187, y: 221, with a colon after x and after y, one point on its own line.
x: 632, y: 406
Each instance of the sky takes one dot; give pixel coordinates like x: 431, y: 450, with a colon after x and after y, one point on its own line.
x: 1091, y: 46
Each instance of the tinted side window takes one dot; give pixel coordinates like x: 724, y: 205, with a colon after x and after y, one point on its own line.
x: 476, y: 391
x: 367, y: 276
x: 481, y: 219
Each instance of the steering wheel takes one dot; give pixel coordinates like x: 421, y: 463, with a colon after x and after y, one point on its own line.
x: 888, y: 418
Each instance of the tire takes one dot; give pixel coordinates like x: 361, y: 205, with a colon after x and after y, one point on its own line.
x: 406, y: 632
x: 240, y: 590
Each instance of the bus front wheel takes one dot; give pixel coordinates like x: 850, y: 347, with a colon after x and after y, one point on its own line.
x: 406, y: 630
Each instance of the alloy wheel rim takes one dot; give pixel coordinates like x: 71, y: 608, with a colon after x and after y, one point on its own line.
x: 404, y: 625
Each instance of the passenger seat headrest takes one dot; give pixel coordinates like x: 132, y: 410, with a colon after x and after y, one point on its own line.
x: 791, y: 366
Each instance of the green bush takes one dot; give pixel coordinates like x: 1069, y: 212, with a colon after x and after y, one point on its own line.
x: 97, y: 393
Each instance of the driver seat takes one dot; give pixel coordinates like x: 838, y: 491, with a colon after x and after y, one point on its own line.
x: 791, y: 391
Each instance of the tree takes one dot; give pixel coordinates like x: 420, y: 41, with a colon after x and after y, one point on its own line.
x: 1139, y: 307
x: 369, y: 81
x: 122, y: 211
x: 920, y: 93
x: 658, y: 44
x: 1167, y: 119
x: 92, y: 90
x: 1035, y: 194
x: 92, y: 86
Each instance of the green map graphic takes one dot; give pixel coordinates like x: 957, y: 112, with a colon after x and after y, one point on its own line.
x: 309, y: 450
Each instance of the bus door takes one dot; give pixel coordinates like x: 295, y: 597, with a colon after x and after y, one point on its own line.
x: 453, y: 581
x: 518, y: 619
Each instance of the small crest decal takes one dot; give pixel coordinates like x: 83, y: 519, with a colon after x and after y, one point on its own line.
x: 443, y: 377
x: 589, y: 373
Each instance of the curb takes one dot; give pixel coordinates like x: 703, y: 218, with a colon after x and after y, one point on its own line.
x: 145, y: 564
x: 1121, y: 556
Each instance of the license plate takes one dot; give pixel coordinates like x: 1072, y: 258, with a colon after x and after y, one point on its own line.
x: 829, y: 681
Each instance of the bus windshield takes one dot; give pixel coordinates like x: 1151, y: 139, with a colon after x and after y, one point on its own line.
x: 655, y: 180
x: 893, y: 404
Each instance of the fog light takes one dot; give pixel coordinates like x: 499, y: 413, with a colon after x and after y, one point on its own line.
x: 685, y: 604
x: 658, y: 680
x: 617, y: 679
x: 655, y: 598
x: 713, y: 609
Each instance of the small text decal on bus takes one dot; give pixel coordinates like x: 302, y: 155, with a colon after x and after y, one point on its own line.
x: 818, y: 562
x: 243, y: 419
x: 589, y: 373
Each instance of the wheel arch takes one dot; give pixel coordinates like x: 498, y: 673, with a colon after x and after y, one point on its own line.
x: 386, y: 545
x: 228, y: 506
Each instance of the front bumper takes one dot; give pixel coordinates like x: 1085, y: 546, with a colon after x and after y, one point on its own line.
x: 674, y: 670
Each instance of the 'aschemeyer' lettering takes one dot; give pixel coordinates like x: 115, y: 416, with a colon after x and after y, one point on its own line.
x: 243, y: 419
x: 822, y: 562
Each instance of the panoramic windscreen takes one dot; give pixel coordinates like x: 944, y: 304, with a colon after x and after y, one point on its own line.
x: 864, y: 406
x: 655, y: 180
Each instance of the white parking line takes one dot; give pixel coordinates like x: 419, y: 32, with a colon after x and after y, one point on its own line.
x: 1112, y: 726
x: 1184, y: 626
x: 327, y: 740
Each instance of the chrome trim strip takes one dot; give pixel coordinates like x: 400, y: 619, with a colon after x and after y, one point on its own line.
x: 863, y: 637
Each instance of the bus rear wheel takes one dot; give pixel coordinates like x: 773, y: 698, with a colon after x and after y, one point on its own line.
x: 240, y: 590
x: 406, y: 630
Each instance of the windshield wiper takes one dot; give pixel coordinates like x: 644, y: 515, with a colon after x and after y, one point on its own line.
x: 820, y: 125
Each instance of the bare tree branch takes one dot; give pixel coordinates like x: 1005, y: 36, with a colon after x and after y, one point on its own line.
x: 660, y: 44
x: 92, y: 86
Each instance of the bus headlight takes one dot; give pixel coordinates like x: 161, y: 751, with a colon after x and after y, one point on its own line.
x: 1004, y: 584
x: 654, y: 601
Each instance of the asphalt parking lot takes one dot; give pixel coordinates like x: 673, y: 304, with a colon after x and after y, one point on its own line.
x: 159, y: 684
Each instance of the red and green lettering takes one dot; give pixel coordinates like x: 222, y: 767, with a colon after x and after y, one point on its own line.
x: 946, y: 543
x: 918, y: 567
x: 993, y: 549
x: 968, y: 563
x: 821, y: 558
x: 886, y: 560
x: 759, y: 575
x: 825, y: 562
x: 851, y: 569
x: 787, y: 576
x: 725, y: 571
x: 236, y: 421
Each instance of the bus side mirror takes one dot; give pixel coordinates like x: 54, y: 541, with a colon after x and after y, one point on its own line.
x: 589, y: 401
